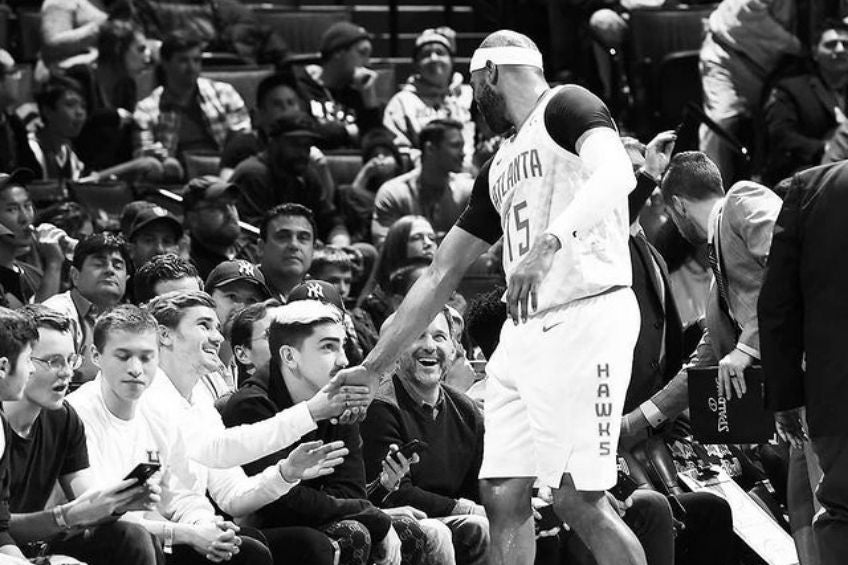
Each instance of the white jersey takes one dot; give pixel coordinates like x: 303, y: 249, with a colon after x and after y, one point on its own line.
x: 531, y: 179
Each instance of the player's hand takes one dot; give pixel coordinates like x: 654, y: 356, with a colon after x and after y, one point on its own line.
x: 790, y: 427
x: 537, y: 504
x: 312, y: 459
x: 333, y: 399
x: 731, y: 373
x: 362, y: 376
x: 526, y: 278
x: 658, y: 153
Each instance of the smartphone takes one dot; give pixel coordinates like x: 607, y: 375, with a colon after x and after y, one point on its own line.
x: 141, y: 473
x: 624, y: 487
x: 549, y: 519
x: 413, y: 447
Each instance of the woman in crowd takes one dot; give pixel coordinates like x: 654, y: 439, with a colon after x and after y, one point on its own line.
x: 410, y: 239
x: 434, y: 91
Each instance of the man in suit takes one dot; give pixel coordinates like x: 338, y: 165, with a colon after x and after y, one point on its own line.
x: 737, y: 228
x: 658, y: 354
x: 803, y: 319
x: 802, y: 111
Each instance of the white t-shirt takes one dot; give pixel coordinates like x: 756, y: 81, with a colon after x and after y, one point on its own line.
x: 116, y: 446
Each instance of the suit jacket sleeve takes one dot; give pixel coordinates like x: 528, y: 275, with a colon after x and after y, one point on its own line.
x: 751, y: 216
x: 780, y: 310
x: 673, y: 398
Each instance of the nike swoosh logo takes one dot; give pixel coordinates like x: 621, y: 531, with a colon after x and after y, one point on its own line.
x: 552, y: 326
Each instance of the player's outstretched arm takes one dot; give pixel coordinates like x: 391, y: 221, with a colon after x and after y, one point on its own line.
x: 424, y: 300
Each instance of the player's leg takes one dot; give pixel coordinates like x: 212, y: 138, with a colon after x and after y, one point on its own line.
x: 598, y: 525
x: 511, y: 526
x: 508, y: 452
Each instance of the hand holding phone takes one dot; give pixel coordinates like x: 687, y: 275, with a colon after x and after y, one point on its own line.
x: 141, y: 473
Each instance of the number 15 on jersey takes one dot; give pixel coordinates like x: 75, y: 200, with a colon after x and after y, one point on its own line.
x: 517, y: 232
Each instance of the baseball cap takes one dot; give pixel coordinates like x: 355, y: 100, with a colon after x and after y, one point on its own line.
x: 341, y: 35
x: 317, y: 290
x: 441, y: 35
x: 293, y: 124
x: 141, y: 213
x: 208, y: 187
x: 237, y: 270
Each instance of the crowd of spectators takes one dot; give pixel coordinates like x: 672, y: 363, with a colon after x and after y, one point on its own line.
x: 196, y: 334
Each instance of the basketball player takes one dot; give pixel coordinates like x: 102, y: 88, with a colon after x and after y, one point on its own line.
x: 557, y: 192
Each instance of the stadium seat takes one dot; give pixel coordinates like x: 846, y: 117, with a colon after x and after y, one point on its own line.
x: 99, y: 198
x: 344, y: 166
x: 302, y: 29
x: 656, y: 33
x: 678, y: 83
x: 29, y: 24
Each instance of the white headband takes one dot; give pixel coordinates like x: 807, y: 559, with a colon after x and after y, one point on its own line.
x: 505, y: 56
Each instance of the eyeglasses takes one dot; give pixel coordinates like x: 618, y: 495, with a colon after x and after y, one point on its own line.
x: 57, y: 362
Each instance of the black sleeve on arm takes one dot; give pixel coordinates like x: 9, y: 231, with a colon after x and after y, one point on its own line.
x: 636, y: 199
x: 572, y: 112
x: 480, y: 218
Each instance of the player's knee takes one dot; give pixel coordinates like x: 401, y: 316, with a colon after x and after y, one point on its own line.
x: 581, y: 510
x: 506, y: 496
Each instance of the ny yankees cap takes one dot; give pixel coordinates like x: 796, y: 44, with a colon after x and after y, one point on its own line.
x: 237, y: 270
x: 317, y: 290
x: 141, y: 213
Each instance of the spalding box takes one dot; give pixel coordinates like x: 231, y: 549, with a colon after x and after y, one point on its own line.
x: 732, y: 420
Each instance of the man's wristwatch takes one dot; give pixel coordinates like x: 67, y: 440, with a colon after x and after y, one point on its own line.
x: 168, y: 546
x: 59, y: 517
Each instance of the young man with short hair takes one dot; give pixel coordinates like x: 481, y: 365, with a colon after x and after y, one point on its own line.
x: 188, y: 340
x: 202, y: 113
x: 17, y: 335
x: 61, y: 105
x: 333, y: 265
x: 48, y: 446
x: 437, y: 189
x: 164, y: 273
x: 119, y: 438
x: 286, y: 243
x: 306, y: 340
x: 31, y: 258
x: 99, y: 273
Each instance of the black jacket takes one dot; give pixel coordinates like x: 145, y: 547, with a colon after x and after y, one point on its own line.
x: 799, y: 119
x: 318, y: 502
x: 802, y: 310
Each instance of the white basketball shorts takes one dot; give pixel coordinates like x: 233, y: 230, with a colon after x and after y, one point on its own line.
x: 555, y: 392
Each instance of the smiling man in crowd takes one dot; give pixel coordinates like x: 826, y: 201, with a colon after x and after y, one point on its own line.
x: 415, y: 404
